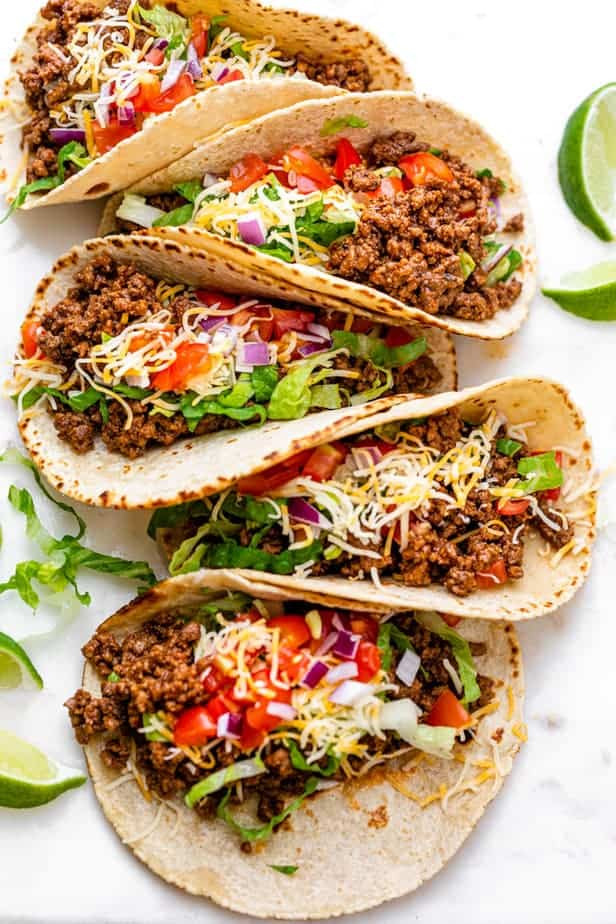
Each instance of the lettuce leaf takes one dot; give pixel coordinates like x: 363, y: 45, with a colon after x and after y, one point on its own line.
x: 333, y: 126
x: 264, y: 380
x: 240, y: 770
x: 361, y: 346
x: 542, y: 473
x: 167, y: 24
x: 262, y: 833
x: 300, y: 763
x: 168, y: 517
x: 193, y: 554
x: 461, y: 652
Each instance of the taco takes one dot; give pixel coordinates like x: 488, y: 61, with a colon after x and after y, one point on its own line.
x: 104, y: 92
x: 478, y: 503
x: 134, y: 346
x: 387, y: 200
x: 247, y: 744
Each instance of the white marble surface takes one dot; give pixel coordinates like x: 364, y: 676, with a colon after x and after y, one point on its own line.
x: 546, y: 850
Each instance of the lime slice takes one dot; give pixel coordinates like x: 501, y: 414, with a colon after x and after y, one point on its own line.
x: 591, y: 293
x: 28, y: 777
x: 16, y: 668
x: 587, y: 162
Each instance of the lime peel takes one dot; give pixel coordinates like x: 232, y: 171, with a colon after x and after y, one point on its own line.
x: 28, y: 777
x: 16, y: 668
x: 589, y: 293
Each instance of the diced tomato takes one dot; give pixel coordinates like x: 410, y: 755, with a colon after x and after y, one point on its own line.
x: 362, y: 325
x: 398, y: 336
x: 246, y: 172
x: 251, y: 738
x: 448, y: 710
x: 389, y: 187
x: 514, y: 507
x: 192, y: 359
x: 365, y: 626
x: 221, y: 704
x: 200, y: 26
x: 347, y: 156
x: 495, y: 574
x: 213, y: 680
x: 211, y: 298
x: 194, y: 727
x: 155, y: 56
x: 286, y: 319
x: 183, y: 89
x: 230, y: 77
x: 424, y: 167
x: 292, y: 663
x: 323, y: 461
x: 303, y: 164
x: 368, y: 660
x: 451, y: 620
x: 107, y: 138
x: 29, y: 337
x: 262, y: 482
x: 467, y: 210
x: 264, y: 329
x: 293, y: 630
x: 268, y: 691
x: 259, y: 718
x: 149, y: 90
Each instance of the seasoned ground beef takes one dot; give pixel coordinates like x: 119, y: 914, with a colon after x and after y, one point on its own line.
x: 155, y: 672
x: 409, y: 246
x: 107, y: 297
x: 351, y: 74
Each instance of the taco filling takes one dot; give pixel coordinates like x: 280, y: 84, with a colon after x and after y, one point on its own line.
x: 433, y: 501
x: 142, y: 362
x: 247, y: 708
x: 416, y: 223
x: 98, y: 74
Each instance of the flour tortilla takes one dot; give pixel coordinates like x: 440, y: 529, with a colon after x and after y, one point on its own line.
x: 168, y: 137
x: 544, y: 587
x: 341, y: 833
x: 190, y: 468
x: 385, y: 112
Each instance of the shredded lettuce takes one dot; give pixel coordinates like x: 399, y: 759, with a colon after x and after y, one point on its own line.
x: 300, y: 763
x: 232, y: 603
x: 173, y: 219
x: 542, y: 473
x: 193, y: 554
x: 390, y: 637
x: 264, y: 380
x: 189, y: 555
x: 224, y: 405
x: 167, y: 24
x: 505, y: 267
x: 333, y: 126
x: 291, y: 398
x: 190, y: 190
x: 380, y: 388
x: 373, y: 348
x: 326, y: 396
x: 168, y: 517
x: 240, y: 770
x: 467, y: 264
x: 73, y: 152
x: 508, y: 447
x: 461, y: 652
x: 248, y: 508
x: 437, y: 740
x: 287, y: 870
x: 262, y: 833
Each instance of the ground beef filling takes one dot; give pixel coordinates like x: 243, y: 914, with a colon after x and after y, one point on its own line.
x: 446, y: 545
x: 409, y: 246
x: 46, y: 83
x: 108, y: 296
x: 158, y: 674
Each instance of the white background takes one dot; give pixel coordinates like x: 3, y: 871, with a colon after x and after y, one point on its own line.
x: 546, y: 850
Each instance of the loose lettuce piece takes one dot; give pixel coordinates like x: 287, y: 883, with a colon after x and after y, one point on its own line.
x: 240, y: 770
x: 361, y: 346
x: 232, y: 603
x: 249, y: 509
x: 508, y: 447
x: 189, y: 555
x: 167, y: 517
x: 461, y: 652
x: 467, y: 264
x: 437, y: 740
x: 300, y: 763
x: 193, y: 554
x: 505, y: 267
x: 390, y: 637
x: 14, y: 457
x: 291, y: 398
x: 542, y: 473
x: 333, y: 126
x: 264, y: 380
x: 259, y: 834
x: 221, y: 406
x: 191, y: 189
x: 287, y: 870
x: 174, y: 219
x: 167, y: 24
x: 326, y: 396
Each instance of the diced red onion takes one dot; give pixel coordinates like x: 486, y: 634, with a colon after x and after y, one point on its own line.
x: 375, y: 454
x: 307, y: 349
x: 350, y: 692
x: 281, y: 710
x: 346, y: 644
x: 65, y: 135
x: 303, y: 512
x: 174, y: 72
x: 229, y: 725
x: 407, y: 667
x: 231, y: 332
x: 209, y: 180
x: 221, y: 73
x: 494, y: 209
x: 325, y: 645
x: 315, y: 674
x: 337, y: 623
x: 496, y: 257
x: 255, y: 353
x: 252, y: 229
x: 320, y: 330
x: 193, y: 67
x: 344, y: 671
x: 126, y: 114
x: 212, y: 322
x: 160, y: 44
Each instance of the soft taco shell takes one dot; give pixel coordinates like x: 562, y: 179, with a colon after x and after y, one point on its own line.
x: 191, y: 467
x: 545, y: 585
x: 338, y: 835
x: 385, y: 112
x: 167, y: 137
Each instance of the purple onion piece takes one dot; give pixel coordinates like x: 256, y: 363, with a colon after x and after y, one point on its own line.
x: 174, y: 72
x: 251, y: 229
x: 345, y: 671
x: 307, y: 349
x: 493, y: 260
x: 303, y: 512
x: 325, y: 645
x: 255, y: 353
x: 126, y: 114
x: 346, y: 645
x: 193, y: 67
x: 229, y: 725
x: 407, y: 667
x: 211, y: 323
x: 315, y: 674
x: 65, y: 135
x: 160, y: 44
x: 281, y: 710
x: 320, y: 330
x: 223, y: 73
x: 350, y: 692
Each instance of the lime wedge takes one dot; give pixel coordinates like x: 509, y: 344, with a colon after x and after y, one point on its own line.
x: 590, y: 293
x: 587, y: 162
x: 28, y: 777
x: 16, y: 668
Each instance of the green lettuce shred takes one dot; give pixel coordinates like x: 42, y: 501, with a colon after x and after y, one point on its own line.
x: 259, y: 834
x: 461, y: 652
x: 240, y: 770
